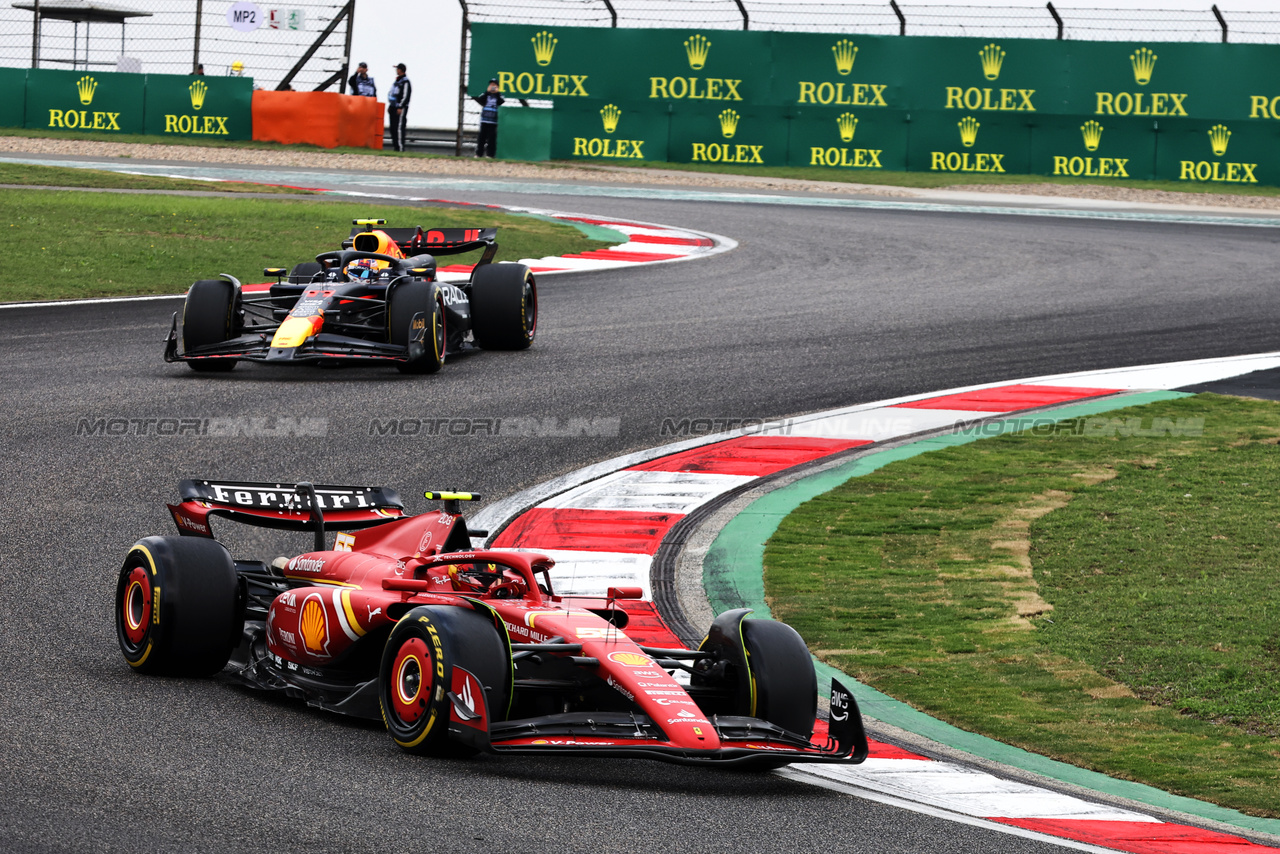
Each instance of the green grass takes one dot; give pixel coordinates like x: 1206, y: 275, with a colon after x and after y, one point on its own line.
x: 1110, y: 602
x: 106, y: 244
x: 151, y: 139
x: 930, y: 180
x: 60, y: 176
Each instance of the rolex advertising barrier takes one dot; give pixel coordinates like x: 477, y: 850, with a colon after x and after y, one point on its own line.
x: 1207, y: 113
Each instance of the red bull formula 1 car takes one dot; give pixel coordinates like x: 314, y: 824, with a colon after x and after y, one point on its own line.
x: 460, y: 650
x: 377, y: 299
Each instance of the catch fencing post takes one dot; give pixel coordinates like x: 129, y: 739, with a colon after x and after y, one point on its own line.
x: 613, y: 13
x: 1221, y: 21
x: 902, y: 19
x: 195, y: 53
x: 1056, y: 18
x: 35, y: 36
x: 746, y: 19
x: 462, y: 78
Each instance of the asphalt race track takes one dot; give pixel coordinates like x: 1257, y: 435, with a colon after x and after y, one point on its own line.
x: 817, y: 308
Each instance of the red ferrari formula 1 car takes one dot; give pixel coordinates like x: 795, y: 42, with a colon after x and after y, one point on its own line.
x: 461, y: 650
x: 375, y: 300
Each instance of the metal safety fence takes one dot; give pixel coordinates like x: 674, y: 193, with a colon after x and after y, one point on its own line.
x: 301, y: 45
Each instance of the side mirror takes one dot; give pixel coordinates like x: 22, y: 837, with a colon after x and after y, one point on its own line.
x: 278, y: 272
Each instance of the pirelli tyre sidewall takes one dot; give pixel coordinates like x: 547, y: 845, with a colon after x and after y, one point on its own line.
x: 504, y: 306
x: 416, y: 673
x: 177, y: 607
x: 405, y: 301
x: 211, y: 314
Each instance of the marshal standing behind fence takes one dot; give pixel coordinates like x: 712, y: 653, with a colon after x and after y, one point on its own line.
x: 361, y: 83
x: 489, y: 101
x: 398, y: 106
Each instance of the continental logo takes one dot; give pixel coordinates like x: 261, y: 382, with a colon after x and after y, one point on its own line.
x: 624, y: 149
x: 848, y: 158
x: 696, y: 49
x: 845, y: 53
x: 1217, y: 170
x: 992, y: 58
x: 1143, y: 62
x: 544, y: 47
x: 86, y: 88
x: 966, y: 161
x: 541, y: 84
x: 1087, y: 166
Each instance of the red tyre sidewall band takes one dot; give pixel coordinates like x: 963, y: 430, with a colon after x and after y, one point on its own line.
x: 137, y: 585
x: 413, y: 652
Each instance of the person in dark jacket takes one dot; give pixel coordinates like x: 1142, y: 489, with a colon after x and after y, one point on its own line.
x: 490, y: 101
x: 398, y: 106
x: 361, y: 83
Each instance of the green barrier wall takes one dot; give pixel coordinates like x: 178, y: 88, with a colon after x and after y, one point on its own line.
x: 199, y: 106
x: 84, y: 100
x: 13, y: 82
x: 111, y: 102
x: 1207, y: 113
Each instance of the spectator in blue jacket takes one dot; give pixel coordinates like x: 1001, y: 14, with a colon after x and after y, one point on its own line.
x: 490, y: 101
x: 398, y: 106
x: 361, y: 83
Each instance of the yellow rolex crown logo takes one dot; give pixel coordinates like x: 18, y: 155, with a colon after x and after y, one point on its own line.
x: 610, y: 115
x: 1144, y: 62
x: 198, y: 90
x: 544, y: 46
x: 697, y: 47
x: 846, y: 52
x: 992, y: 58
x: 729, y: 123
x: 1219, y: 136
x: 848, y: 123
x: 86, y: 86
x: 968, y: 131
x: 1092, y: 135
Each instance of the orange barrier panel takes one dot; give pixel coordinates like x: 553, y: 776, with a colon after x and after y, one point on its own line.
x: 326, y: 119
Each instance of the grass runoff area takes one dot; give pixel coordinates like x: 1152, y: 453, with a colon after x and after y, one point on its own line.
x: 1102, y: 597
x: 107, y: 244
x: 23, y: 174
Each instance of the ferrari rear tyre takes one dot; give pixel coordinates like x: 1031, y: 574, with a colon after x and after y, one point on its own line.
x: 210, y: 315
x: 404, y: 302
x: 304, y: 273
x: 766, y: 669
x: 177, y: 606
x: 504, y: 307
x: 428, y: 656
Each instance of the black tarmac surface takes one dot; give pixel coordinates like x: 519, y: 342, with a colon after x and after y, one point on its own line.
x: 816, y: 309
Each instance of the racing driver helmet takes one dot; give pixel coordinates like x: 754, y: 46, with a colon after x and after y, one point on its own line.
x: 364, y: 269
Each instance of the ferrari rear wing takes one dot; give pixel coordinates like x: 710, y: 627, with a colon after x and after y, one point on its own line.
x: 437, y: 241
x: 298, y: 507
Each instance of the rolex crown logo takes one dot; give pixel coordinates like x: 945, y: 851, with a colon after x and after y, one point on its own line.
x: 848, y: 123
x: 610, y: 115
x: 729, y: 123
x: 544, y: 47
x: 198, y: 90
x: 992, y: 58
x: 1219, y: 136
x: 696, y: 47
x: 1092, y: 135
x: 846, y: 52
x: 1144, y: 62
x: 86, y: 86
x: 968, y: 131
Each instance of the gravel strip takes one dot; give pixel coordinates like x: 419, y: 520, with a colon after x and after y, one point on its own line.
x: 480, y: 168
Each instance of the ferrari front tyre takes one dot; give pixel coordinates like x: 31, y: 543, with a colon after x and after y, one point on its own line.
x: 504, y: 307
x: 177, y: 606
x: 423, y: 661
x: 404, y: 303
x: 210, y: 315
